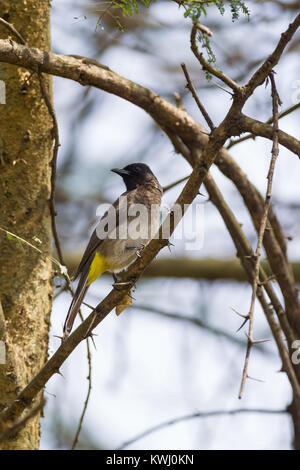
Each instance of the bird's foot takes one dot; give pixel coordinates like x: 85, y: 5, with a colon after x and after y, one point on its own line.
x: 122, y: 284
x: 138, y: 249
x: 118, y: 284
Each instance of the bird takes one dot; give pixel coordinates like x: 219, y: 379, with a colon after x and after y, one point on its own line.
x: 121, y: 234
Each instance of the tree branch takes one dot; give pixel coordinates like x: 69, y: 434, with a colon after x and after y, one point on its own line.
x: 263, y: 129
x: 284, y: 113
x: 207, y: 269
x: 262, y: 228
x: 208, y: 414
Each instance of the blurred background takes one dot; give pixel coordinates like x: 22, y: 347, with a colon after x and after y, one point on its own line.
x: 176, y: 351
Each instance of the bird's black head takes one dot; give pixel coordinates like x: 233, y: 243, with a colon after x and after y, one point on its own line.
x: 136, y: 174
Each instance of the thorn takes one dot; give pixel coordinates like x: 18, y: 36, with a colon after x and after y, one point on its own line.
x: 243, y: 324
x: 239, y: 314
x: 256, y: 341
x: 57, y: 371
x: 91, y: 336
x: 51, y: 394
x: 89, y: 330
x: 267, y: 82
x: 270, y: 278
x: 256, y: 380
x: 88, y: 305
x: 246, y: 318
x: 62, y: 338
x: 169, y: 245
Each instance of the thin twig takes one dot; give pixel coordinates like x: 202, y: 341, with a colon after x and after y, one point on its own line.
x: 244, y: 252
x: 207, y: 66
x: 222, y: 88
x: 197, y: 322
x: 89, y: 377
x: 56, y: 146
x: 244, y: 248
x: 275, y: 103
x: 13, y: 30
x: 192, y: 89
x: 208, y: 414
x: 172, y: 185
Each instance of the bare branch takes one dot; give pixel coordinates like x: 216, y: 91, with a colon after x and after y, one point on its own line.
x: 208, y: 414
x: 84, y: 410
x: 246, y: 256
x: 286, y: 112
x: 263, y: 224
x: 193, y: 320
x: 266, y: 68
x: 208, y: 67
x: 191, y: 87
x: 262, y: 129
x: 88, y: 73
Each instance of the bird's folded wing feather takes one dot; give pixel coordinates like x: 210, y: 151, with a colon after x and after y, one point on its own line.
x: 105, y: 231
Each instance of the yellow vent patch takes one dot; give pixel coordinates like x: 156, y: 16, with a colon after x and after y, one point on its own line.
x: 99, y: 266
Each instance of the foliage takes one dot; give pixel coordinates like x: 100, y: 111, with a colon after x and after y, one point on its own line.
x: 192, y: 9
x: 125, y: 8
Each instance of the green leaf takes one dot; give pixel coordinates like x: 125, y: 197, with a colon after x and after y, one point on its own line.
x: 10, y: 237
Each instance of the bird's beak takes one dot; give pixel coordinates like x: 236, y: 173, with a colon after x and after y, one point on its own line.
x: 120, y: 172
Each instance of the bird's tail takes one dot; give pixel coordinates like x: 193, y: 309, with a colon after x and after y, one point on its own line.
x: 76, y: 302
x: 91, y: 270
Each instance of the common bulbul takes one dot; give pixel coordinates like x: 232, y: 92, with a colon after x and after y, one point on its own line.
x: 112, y: 246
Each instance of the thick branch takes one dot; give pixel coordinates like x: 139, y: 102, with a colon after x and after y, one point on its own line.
x: 91, y: 73
x: 264, y: 129
x: 266, y: 68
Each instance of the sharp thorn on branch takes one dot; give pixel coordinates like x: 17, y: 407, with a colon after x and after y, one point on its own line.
x: 243, y: 324
x: 57, y: 371
x: 256, y: 380
x: 256, y: 341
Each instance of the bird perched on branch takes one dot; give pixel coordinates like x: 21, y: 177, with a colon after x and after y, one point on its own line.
x: 123, y: 231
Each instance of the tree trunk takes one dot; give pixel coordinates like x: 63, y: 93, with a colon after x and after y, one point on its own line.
x: 25, y: 155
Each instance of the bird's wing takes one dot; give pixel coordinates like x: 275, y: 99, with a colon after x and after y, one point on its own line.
x: 95, y: 241
x: 89, y: 253
x: 87, y: 259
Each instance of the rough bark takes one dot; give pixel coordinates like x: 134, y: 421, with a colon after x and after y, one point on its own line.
x: 25, y: 154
